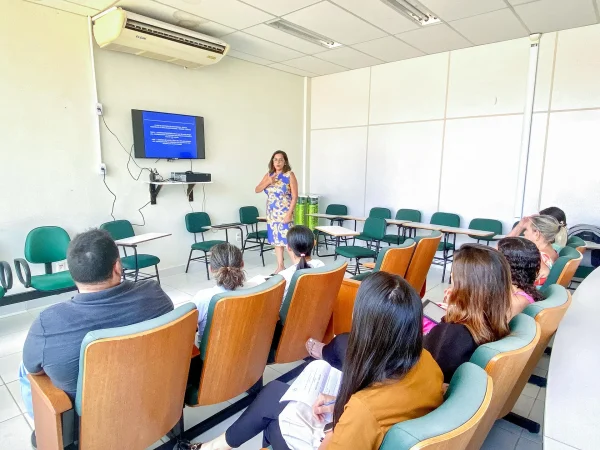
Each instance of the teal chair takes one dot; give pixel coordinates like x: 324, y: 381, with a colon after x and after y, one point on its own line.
x: 373, y: 232
x: 374, y: 213
x: 394, y: 260
x: 495, y: 226
x: 403, y: 214
x: 249, y: 218
x: 454, y: 422
x: 575, y: 242
x: 564, y: 267
x: 5, y: 278
x: 447, y: 220
x: 334, y: 210
x: 199, y: 222
x: 45, y: 245
x: 132, y: 264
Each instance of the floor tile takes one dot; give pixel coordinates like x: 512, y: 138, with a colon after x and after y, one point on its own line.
x: 156, y: 444
x: 537, y: 412
x: 542, y: 394
x: 8, y: 407
x: 29, y: 421
x: 535, y: 437
x: 531, y: 390
x: 253, y: 444
x: 15, y: 323
x: 177, y: 297
x: 526, y: 444
x: 15, y: 391
x: 544, y: 362
x: 9, y: 366
x: 509, y: 426
x: 540, y: 372
x: 193, y: 416
x: 285, y: 368
x: 15, y: 434
x: 12, y: 343
x: 523, y: 406
x: 500, y: 439
x: 11, y: 310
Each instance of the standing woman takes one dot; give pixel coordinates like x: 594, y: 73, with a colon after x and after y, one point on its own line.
x: 281, y: 187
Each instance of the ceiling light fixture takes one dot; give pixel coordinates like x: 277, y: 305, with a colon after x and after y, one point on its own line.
x: 413, y: 10
x: 303, y: 33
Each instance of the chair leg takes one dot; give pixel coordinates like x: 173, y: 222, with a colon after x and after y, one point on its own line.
x: 157, y: 277
x: 356, y: 267
x: 206, y: 262
x: 189, y: 260
x: 262, y: 251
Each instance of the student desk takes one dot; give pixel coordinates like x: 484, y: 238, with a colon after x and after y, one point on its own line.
x: 337, y: 232
x: 134, y: 241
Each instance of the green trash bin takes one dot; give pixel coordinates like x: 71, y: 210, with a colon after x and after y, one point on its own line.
x: 313, y: 208
x: 300, y: 211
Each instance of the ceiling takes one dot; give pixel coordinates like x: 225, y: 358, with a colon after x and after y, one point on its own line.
x: 370, y: 31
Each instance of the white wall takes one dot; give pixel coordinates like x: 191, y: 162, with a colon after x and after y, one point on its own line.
x: 443, y: 132
x: 48, y: 166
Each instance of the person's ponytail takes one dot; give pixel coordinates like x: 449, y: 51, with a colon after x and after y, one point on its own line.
x: 227, y: 263
x: 301, y: 241
x: 230, y: 277
x: 561, y: 237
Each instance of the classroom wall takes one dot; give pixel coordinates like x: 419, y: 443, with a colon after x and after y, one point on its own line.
x: 48, y: 166
x: 443, y: 132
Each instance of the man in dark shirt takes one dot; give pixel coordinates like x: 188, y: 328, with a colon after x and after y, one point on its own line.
x: 104, y: 301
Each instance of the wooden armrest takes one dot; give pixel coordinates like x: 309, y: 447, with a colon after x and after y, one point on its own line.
x: 344, y: 305
x: 55, y: 399
x: 368, y: 265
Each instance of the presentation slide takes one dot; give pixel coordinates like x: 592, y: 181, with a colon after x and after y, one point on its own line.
x: 169, y: 135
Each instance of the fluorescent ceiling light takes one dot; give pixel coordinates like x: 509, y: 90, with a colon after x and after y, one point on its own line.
x: 303, y: 33
x: 413, y: 10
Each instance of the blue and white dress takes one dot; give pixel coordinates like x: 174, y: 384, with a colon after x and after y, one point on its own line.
x: 279, y: 200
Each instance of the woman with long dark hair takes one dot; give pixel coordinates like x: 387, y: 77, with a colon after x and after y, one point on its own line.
x: 387, y: 376
x: 281, y: 187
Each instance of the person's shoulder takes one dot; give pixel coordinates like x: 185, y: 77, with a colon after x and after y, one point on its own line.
x: 208, y: 292
x: 150, y: 289
x: 315, y: 263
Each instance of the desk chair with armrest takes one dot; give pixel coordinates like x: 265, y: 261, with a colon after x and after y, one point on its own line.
x: 199, y: 222
x: 374, y: 230
x: 495, y: 226
x: 374, y: 213
x: 334, y: 210
x: 564, y: 267
x: 132, y: 264
x: 45, y: 245
x: 454, y: 422
x: 6, y: 279
x: 448, y: 220
x: 412, y: 215
x: 130, y: 388
x: 394, y: 260
x: 249, y: 218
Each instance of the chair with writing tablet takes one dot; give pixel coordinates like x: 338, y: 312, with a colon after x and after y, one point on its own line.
x: 453, y: 423
x: 412, y: 215
x: 249, y: 218
x: 374, y: 213
x: 334, y: 210
x: 447, y: 220
x: 394, y: 260
x: 130, y: 388
x: 374, y: 230
x: 492, y: 225
x: 199, y: 222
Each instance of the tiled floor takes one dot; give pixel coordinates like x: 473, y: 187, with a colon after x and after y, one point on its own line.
x: 15, y: 426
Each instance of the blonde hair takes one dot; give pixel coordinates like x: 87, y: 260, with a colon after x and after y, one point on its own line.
x: 550, y: 229
x: 226, y: 262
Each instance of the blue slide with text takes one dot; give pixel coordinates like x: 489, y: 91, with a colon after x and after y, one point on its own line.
x: 169, y: 135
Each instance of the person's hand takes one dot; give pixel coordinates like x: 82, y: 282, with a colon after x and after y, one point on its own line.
x: 321, y: 407
x: 273, y: 178
x: 288, y: 218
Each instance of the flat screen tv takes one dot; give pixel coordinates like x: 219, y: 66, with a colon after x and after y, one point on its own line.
x: 167, y: 136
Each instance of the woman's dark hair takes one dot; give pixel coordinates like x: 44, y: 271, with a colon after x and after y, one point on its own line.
x: 386, y: 339
x: 92, y: 256
x: 557, y: 213
x: 524, y: 260
x: 301, y: 241
x: 227, y: 263
x: 481, y: 293
x: 286, y: 166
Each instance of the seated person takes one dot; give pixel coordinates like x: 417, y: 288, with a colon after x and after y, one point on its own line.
x: 478, y: 312
x: 227, y: 267
x: 553, y: 211
x: 524, y: 260
x: 543, y: 231
x: 388, y: 376
x: 103, y: 301
x: 300, y: 241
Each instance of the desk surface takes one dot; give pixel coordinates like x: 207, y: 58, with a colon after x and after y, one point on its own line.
x: 396, y: 221
x: 450, y: 230
x: 337, y: 231
x: 572, y: 409
x: 134, y: 240
x: 328, y: 216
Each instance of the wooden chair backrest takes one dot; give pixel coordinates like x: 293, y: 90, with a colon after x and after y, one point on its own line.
x: 133, y: 386
x: 548, y: 320
x: 49, y: 404
x: 565, y: 277
x: 422, y: 259
x: 581, y: 249
x: 344, y: 305
x: 239, y: 341
x: 309, y: 312
x: 505, y: 369
x: 397, y: 260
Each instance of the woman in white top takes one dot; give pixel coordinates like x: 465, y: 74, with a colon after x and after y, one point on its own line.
x: 227, y: 267
x: 300, y: 243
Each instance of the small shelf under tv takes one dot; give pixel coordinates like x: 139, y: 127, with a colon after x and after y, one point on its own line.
x: 156, y: 186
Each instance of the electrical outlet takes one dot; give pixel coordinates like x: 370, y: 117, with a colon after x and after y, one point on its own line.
x: 99, y: 109
x: 102, y: 169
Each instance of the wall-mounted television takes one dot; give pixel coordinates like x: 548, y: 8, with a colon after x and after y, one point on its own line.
x: 167, y: 136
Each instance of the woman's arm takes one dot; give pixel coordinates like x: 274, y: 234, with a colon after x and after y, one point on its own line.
x: 267, y: 180
x: 519, y: 228
x: 294, y: 187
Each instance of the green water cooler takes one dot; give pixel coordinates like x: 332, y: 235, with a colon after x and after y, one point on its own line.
x: 300, y: 211
x: 312, y: 208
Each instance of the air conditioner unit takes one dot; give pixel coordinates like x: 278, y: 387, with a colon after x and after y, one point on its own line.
x: 127, y: 32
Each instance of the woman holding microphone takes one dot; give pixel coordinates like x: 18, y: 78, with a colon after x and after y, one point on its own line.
x: 281, y: 187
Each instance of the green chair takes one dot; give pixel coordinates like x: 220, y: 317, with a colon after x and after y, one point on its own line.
x: 403, y: 214
x: 334, y: 210
x: 374, y: 213
x: 447, y: 220
x: 45, y: 245
x: 5, y: 278
x: 249, y: 218
x: 199, y: 222
x: 394, y: 260
x: 122, y: 229
x: 373, y: 232
x: 454, y: 422
x: 495, y: 226
x: 564, y: 267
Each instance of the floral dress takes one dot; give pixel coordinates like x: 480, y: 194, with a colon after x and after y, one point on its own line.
x: 279, y: 199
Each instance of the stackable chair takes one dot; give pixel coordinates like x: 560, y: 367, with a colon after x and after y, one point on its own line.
x: 394, y: 260
x: 334, y: 210
x: 132, y: 264
x: 448, y: 220
x: 130, y: 388
x: 249, y: 218
x: 45, y: 245
x: 454, y: 422
x: 492, y: 225
x: 199, y: 222
x: 374, y: 213
x: 6, y: 279
x: 374, y: 230
x: 403, y: 214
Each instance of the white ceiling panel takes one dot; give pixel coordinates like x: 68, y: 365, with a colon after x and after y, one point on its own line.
x: 280, y: 7
x: 231, y: 13
x: 315, y: 65
x: 348, y: 57
x: 261, y: 48
x: 64, y: 5
x: 94, y: 4
x: 550, y: 15
x: 335, y: 23
x: 285, y: 39
x: 388, y: 49
x: 520, y: 2
x: 247, y: 57
x: 435, y: 39
x: 459, y: 9
x: 288, y: 69
x: 496, y: 26
x: 379, y: 14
